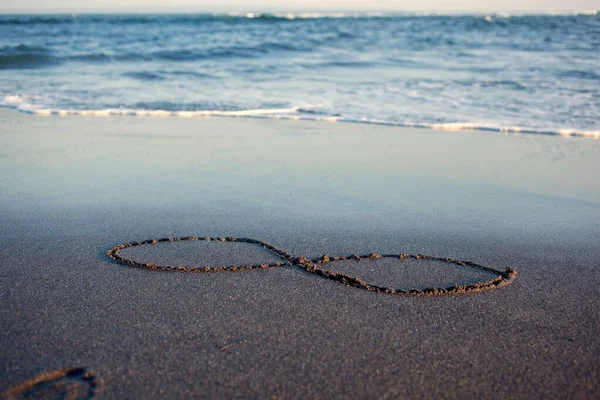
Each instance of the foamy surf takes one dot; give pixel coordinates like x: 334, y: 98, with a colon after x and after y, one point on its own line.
x: 159, y: 113
x: 303, y: 112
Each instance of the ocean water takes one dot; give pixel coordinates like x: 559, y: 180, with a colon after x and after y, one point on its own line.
x: 528, y: 73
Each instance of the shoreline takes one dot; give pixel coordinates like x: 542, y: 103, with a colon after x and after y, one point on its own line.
x: 264, y: 114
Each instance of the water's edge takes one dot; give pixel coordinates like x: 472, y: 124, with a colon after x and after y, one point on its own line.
x: 299, y: 114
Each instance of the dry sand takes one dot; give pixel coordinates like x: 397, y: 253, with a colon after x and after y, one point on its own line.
x: 71, y: 188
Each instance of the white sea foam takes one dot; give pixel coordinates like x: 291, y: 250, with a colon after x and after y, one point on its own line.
x: 288, y: 114
x: 303, y: 112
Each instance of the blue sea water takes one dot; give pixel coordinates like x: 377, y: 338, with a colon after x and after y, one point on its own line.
x: 527, y: 73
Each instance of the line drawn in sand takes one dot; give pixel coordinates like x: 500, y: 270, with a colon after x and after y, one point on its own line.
x: 316, y: 267
x: 64, y: 383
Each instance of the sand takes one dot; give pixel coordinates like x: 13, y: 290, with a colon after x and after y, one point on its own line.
x: 71, y: 188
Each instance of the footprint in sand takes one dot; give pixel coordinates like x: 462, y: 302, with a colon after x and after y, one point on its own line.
x: 451, y: 276
x: 64, y: 383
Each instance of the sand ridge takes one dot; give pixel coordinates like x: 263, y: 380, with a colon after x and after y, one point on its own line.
x: 501, y: 279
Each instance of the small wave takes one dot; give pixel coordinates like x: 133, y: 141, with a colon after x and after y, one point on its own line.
x: 91, y: 57
x: 23, y: 56
x: 20, y: 57
x: 193, y: 74
x: 222, y: 52
x: 580, y: 74
x: 339, y: 64
x: 29, y: 57
x: 505, y: 84
x: 24, y: 61
x: 197, y: 55
x: 144, y: 76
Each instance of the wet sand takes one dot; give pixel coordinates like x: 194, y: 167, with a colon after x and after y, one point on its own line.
x: 72, y: 188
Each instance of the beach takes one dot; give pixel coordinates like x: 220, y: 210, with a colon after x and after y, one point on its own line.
x: 73, y: 187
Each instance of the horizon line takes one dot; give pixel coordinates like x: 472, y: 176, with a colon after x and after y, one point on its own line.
x: 241, y: 12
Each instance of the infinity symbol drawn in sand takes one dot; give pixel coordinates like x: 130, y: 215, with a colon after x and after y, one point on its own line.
x: 502, y: 278
x: 63, y: 383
